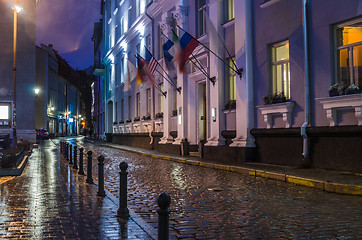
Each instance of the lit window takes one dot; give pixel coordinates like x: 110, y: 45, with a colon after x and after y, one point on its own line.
x: 229, y: 10
x: 232, y: 80
x: 4, y: 114
x: 281, y: 68
x: 138, y: 110
x: 148, y: 43
x: 122, y: 71
x: 149, y: 101
x: 201, y: 24
x: 122, y: 26
x: 129, y: 107
x: 349, y: 53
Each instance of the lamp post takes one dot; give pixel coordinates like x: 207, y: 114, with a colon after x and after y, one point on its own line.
x: 16, y: 9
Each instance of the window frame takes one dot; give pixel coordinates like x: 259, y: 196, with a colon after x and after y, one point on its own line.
x: 8, y: 104
x: 231, y: 74
x: 227, y: 16
x: 199, y: 14
x: 138, y: 104
x: 149, y: 101
x: 338, y: 47
x: 274, y: 82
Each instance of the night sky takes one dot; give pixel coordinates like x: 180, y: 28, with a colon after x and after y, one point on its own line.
x: 68, y: 25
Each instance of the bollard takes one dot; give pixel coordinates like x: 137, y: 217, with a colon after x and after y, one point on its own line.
x: 123, y: 211
x: 81, y: 161
x: 75, y: 166
x: 66, y: 151
x: 70, y: 153
x: 89, y: 168
x: 101, y: 192
x: 163, y: 201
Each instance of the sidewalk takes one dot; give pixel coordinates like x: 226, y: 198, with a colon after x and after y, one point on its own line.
x: 330, y: 181
x: 50, y: 200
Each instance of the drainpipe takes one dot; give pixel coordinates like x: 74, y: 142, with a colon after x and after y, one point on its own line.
x: 307, y: 82
x: 153, y: 52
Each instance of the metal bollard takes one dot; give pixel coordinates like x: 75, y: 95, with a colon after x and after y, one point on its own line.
x: 101, y: 192
x: 163, y: 201
x: 89, y: 168
x: 75, y: 166
x: 81, y: 161
x: 70, y: 153
x: 66, y: 151
x: 123, y: 211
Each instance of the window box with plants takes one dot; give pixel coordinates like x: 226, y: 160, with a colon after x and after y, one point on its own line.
x: 159, y: 115
x: 277, y: 104
x: 121, y: 122
x: 115, y: 123
x: 128, y: 120
x: 136, y: 119
x: 174, y: 113
x: 230, y: 105
x: 147, y: 117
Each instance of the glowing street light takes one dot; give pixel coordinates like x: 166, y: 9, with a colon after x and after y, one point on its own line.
x: 16, y: 9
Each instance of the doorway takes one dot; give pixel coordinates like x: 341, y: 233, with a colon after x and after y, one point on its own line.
x: 202, y: 113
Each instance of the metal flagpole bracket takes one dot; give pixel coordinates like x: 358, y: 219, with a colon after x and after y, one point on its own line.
x: 213, y: 80
x: 179, y: 89
x: 240, y: 72
x: 164, y: 93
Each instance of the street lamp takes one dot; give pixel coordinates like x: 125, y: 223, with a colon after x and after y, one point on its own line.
x: 16, y: 9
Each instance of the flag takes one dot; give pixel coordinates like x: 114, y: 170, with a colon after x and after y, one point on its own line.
x: 143, y: 73
x: 151, y: 61
x: 187, y: 45
x: 131, y: 71
x: 169, y: 56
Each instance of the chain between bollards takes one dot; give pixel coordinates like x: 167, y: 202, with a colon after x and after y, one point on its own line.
x: 89, y: 168
x: 101, y: 192
x: 163, y: 201
x: 75, y: 166
x: 123, y: 211
x: 81, y: 161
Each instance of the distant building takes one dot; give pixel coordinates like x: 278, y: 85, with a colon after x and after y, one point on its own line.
x: 58, y: 102
x: 25, y: 69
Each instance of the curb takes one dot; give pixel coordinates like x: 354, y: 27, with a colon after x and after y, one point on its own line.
x: 340, y: 188
x: 15, y: 171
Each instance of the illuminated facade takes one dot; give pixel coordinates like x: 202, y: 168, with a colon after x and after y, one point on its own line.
x: 58, y: 102
x: 290, y: 56
x: 25, y: 69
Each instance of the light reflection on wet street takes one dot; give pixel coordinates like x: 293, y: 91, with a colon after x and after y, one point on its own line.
x: 214, y: 204
x: 51, y: 201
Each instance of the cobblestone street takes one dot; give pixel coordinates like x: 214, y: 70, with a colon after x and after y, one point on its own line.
x: 51, y: 201
x: 214, y: 204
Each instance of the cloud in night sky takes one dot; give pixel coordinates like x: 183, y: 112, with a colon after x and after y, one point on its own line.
x: 68, y: 25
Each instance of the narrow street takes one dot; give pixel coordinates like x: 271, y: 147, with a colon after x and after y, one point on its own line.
x: 210, y: 204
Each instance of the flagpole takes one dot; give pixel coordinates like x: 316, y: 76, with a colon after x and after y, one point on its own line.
x: 204, y: 72
x: 237, y: 71
x: 172, y: 83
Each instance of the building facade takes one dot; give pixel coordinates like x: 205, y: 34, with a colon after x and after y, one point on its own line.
x: 58, y: 100
x: 24, y: 69
x: 256, y: 88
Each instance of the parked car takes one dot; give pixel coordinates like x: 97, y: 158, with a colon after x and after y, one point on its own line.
x: 42, y: 134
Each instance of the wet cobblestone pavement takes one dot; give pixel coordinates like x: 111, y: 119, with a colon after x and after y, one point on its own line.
x: 215, y: 204
x: 50, y: 201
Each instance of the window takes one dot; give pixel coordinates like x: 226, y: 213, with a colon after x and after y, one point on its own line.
x: 122, y: 26
x: 138, y: 105
x: 138, y: 8
x: 122, y: 71
x: 129, y: 17
x: 122, y: 109
x: 129, y: 107
x: 160, y: 99
x: 148, y: 43
x: 232, y: 80
x: 138, y: 48
x: 349, y: 53
x: 281, y: 68
x: 229, y: 10
x: 160, y: 47
x: 201, y: 24
x: 116, y: 115
x: 4, y: 114
x: 149, y: 101
x: 117, y: 75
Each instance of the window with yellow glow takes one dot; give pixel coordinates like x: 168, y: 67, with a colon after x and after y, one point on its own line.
x: 232, y: 80
x: 229, y: 10
x: 138, y: 110
x: 281, y: 69
x: 349, y: 53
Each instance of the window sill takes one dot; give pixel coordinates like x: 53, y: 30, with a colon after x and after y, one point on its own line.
x: 268, y: 3
x: 332, y: 104
x: 286, y: 109
x: 229, y: 23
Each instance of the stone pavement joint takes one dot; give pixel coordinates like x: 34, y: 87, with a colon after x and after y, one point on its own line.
x: 330, y: 181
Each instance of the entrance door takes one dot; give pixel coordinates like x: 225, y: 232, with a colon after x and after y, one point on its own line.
x: 202, y: 111
x: 110, y: 117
